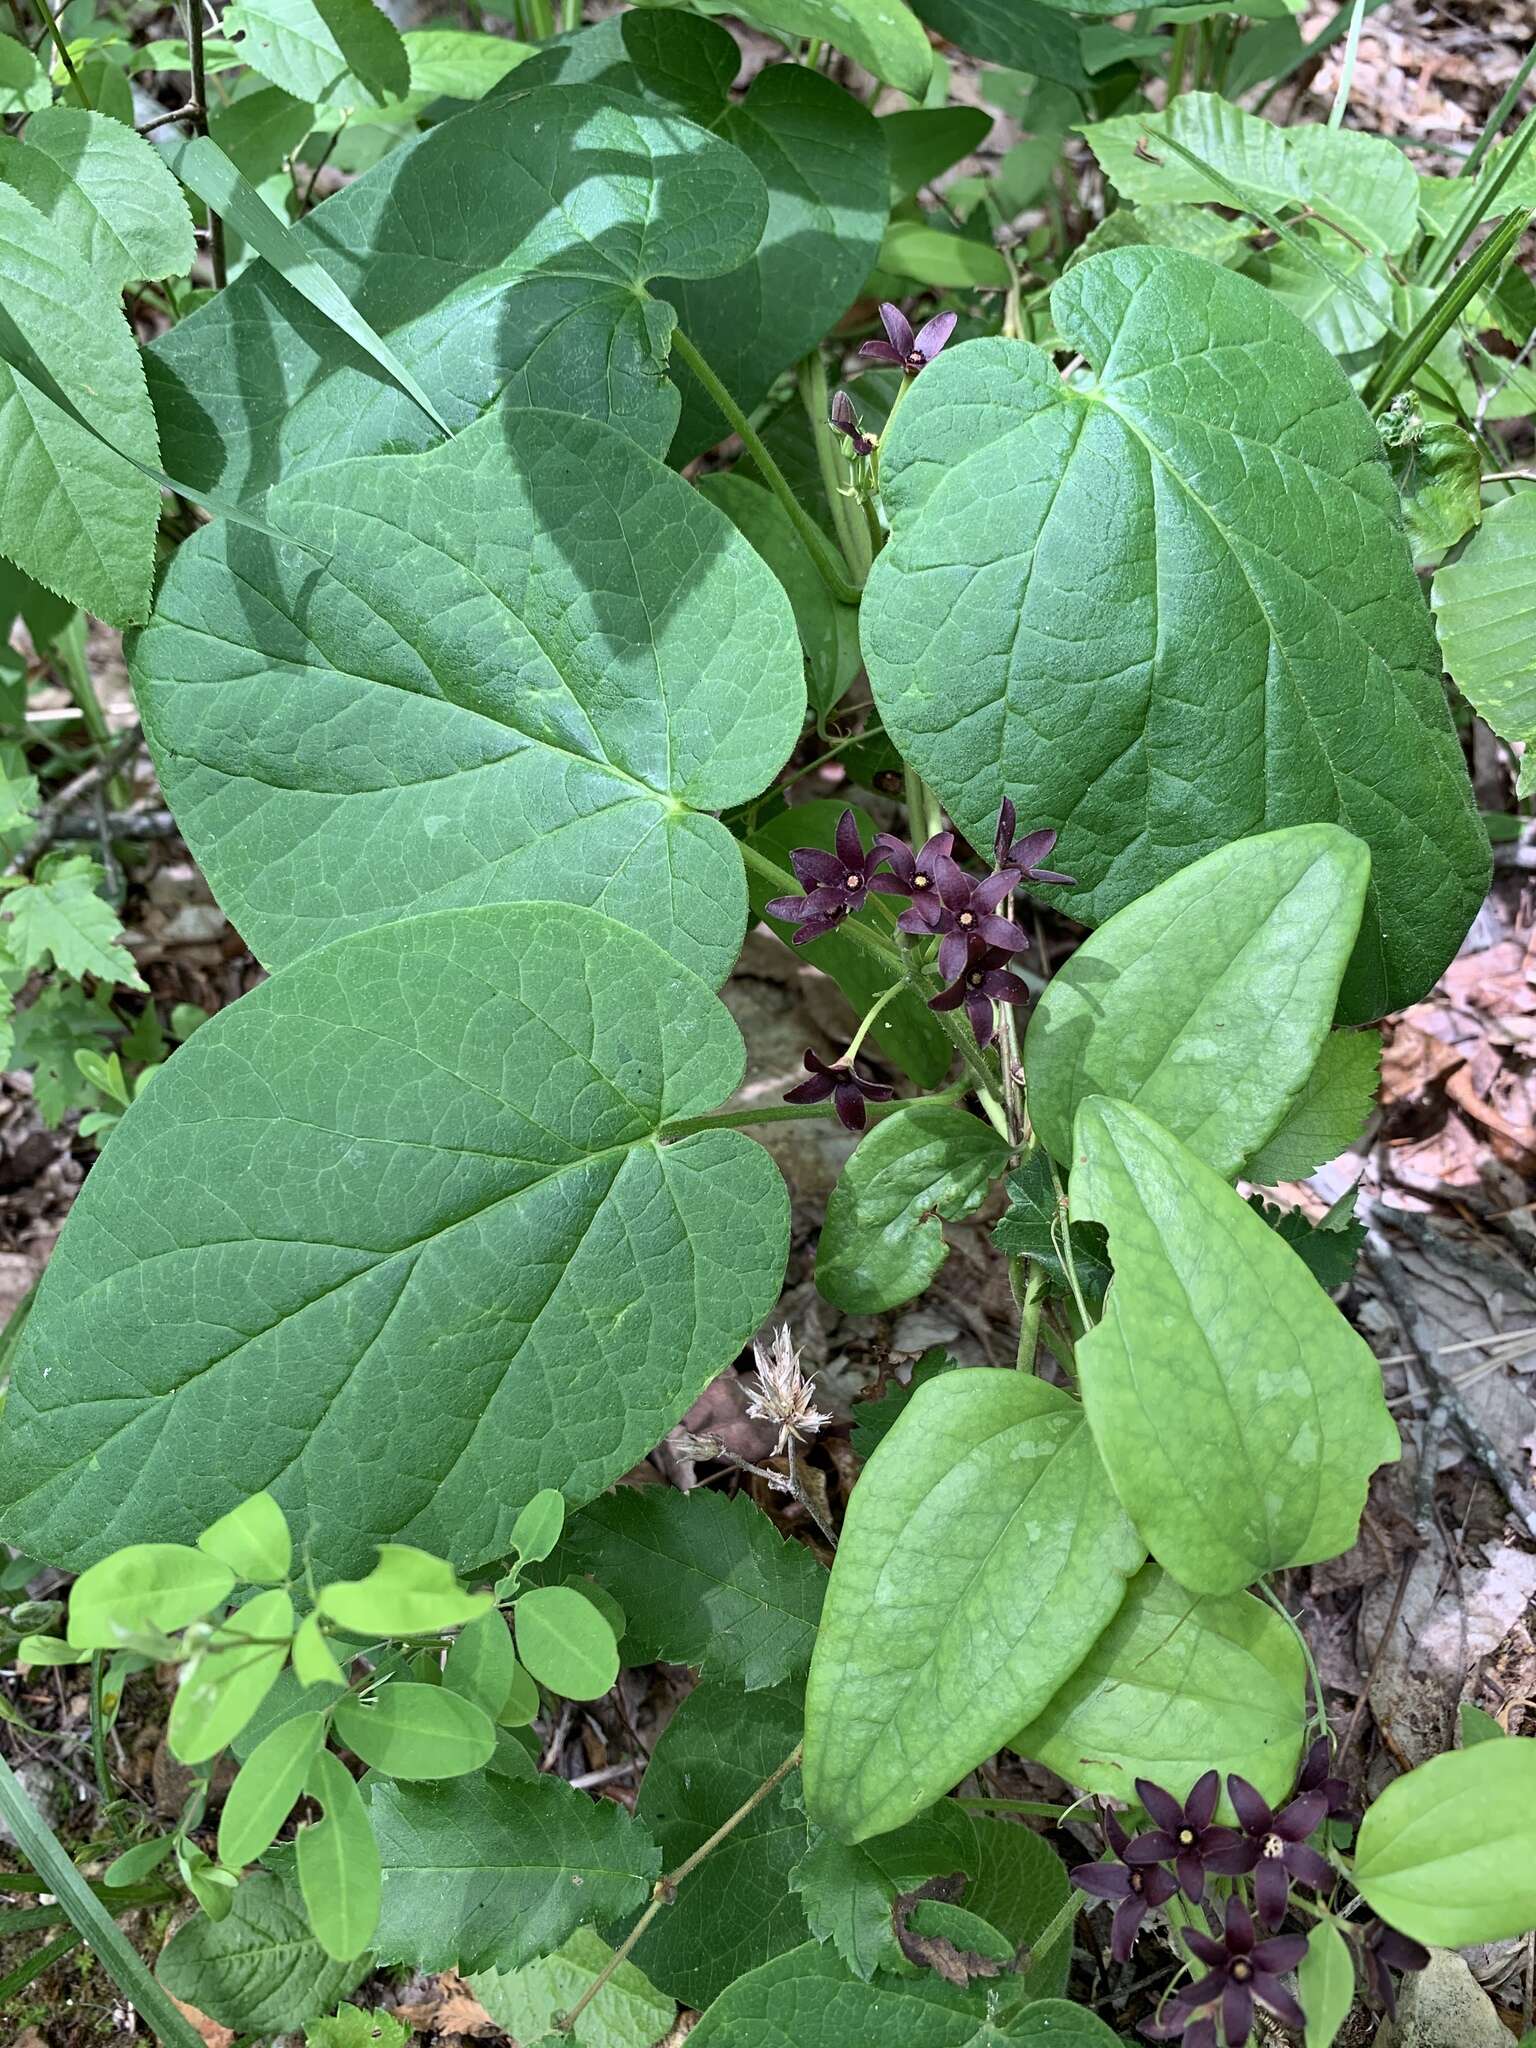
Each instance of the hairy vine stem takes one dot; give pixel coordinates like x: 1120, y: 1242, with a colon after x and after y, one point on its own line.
x: 665, y: 1888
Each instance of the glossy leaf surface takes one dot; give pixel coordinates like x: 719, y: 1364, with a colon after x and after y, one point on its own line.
x: 416, y: 1731
x: 1171, y: 606
x: 1444, y: 1854
x: 535, y: 660
x: 485, y: 1267
x: 1206, y: 1002
x: 982, y: 1555
x: 1238, y: 1414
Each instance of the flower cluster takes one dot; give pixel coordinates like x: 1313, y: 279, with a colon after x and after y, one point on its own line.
x: 1183, y: 1847
x: 901, y: 350
x: 962, y: 912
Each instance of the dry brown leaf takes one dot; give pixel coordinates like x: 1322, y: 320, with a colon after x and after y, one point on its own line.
x: 215, y: 2035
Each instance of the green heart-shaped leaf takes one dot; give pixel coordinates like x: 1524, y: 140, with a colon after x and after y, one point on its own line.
x: 1445, y: 1853
x: 1160, y: 616
x: 534, y: 659
x: 399, y: 1238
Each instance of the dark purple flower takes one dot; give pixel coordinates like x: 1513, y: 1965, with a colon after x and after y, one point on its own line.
x: 919, y: 874
x: 1315, y: 1777
x: 844, y: 420
x: 1134, y: 1890
x: 849, y: 1091
x: 1194, y: 2030
x: 1279, y: 1842
x: 834, y: 883
x: 985, y: 981
x: 1027, y: 853
x: 1183, y: 1835
x: 1386, y: 1950
x: 1242, y: 1971
x: 964, y: 909
x: 903, y: 349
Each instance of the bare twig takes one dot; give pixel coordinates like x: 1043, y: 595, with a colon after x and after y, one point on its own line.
x: 51, y: 818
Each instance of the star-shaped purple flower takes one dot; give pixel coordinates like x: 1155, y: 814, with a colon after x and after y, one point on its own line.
x: 1027, y: 853
x: 835, y: 883
x: 1183, y: 1835
x: 1316, y: 1777
x: 844, y: 420
x: 903, y: 349
x: 848, y: 1090
x: 1386, y: 1950
x: 1243, y: 1973
x: 917, y: 875
x: 1279, y: 1845
x: 963, y: 909
x: 1194, y: 2030
x: 1134, y: 1890
x: 985, y: 981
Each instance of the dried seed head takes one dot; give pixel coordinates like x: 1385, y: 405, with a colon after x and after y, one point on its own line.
x: 783, y: 1394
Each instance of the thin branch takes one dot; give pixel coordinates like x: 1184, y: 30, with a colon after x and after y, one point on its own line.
x: 51, y: 817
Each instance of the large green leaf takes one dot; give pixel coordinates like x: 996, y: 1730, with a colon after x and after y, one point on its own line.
x: 1239, y: 1415
x: 703, y: 1579
x: 1174, y: 1686
x: 1361, y: 183
x: 338, y: 1862
x: 628, y: 2012
x: 1445, y: 1853
x: 982, y: 1555
x: 106, y: 191
x: 882, y: 1242
x: 312, y: 48
x: 719, y: 1747
x: 507, y: 251
x: 489, y: 1872
x: 1344, y: 320
x: 1207, y: 1001
x: 403, y: 1307
x: 1024, y: 35
x: 1485, y: 608
x: 808, y: 1999
x: 259, y: 1969
x: 75, y: 419
x: 533, y: 658
x: 1171, y: 606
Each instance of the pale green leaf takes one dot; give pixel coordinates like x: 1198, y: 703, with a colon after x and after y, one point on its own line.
x: 882, y: 1243
x: 49, y: 1650
x: 629, y: 2012
x: 313, y: 1661
x: 148, y: 1586
x: 1325, y: 1984
x: 351, y: 2027
x: 521, y: 1704
x: 537, y: 1529
x: 260, y: 1969
x: 252, y: 1539
x: 267, y: 1788
x: 704, y: 1579
x: 1327, y: 1114
x: 1161, y: 617
x: 1477, y: 1725
x: 1361, y: 183
x: 491, y: 1872
x: 106, y: 192
x: 416, y: 1731
x: 1238, y: 1414
x: 535, y: 292
x: 718, y: 1748
x: 882, y: 35
x: 58, y: 919
x: 982, y: 1554
x: 338, y: 1862
x: 408, y: 1593
x: 1444, y: 1855
x: 565, y: 1643
x: 24, y: 85
x: 225, y: 1681
x: 136, y: 1863
x: 1438, y: 469
x: 482, y: 1665
x: 1485, y: 608
x: 313, y: 50
x: 1207, y: 1001
x: 944, y: 261
x: 1345, y: 321
x: 1169, y: 227
x: 1178, y: 1685
x: 414, y: 1265
x: 906, y: 1031
x: 829, y: 631
x: 572, y: 658
x: 808, y: 1999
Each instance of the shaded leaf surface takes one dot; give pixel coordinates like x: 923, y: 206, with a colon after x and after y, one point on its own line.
x: 543, y: 218
x: 1328, y: 1113
x: 703, y: 1579
x: 982, y: 1554
x: 535, y: 657
x: 1485, y: 608
x: 1238, y: 1414
x: 106, y: 192
x: 485, y: 1267
x: 1033, y: 1225
x: 259, y: 1969
x: 1177, y: 1685
x: 312, y: 48
x: 492, y: 1872
x: 1171, y: 607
